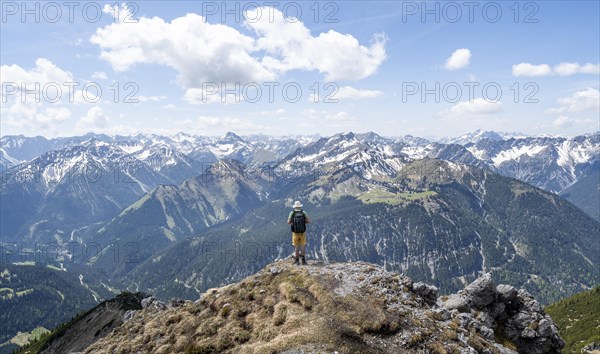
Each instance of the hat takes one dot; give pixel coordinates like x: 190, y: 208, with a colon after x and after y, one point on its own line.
x: 297, y: 204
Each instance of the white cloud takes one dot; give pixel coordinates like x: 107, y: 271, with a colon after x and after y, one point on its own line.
x: 564, y: 121
x: 44, y: 72
x: 469, y: 109
x: 199, y: 51
x: 290, y: 45
x: 562, y: 69
x: 204, y: 52
x: 53, y: 114
x: 94, y: 120
x: 566, y: 69
x: 52, y: 84
x: 99, y: 75
x: 459, y: 59
x: 169, y: 106
x: 526, y: 69
x: 587, y: 100
x: 26, y: 116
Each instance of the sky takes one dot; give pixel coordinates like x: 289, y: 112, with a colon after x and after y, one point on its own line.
x: 428, y: 69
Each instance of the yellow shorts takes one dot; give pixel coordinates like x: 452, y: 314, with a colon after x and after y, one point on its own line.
x: 299, y: 239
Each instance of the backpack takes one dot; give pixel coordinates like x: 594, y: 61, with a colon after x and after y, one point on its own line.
x: 298, y: 222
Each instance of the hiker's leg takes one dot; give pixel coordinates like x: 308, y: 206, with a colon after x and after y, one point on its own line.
x: 303, y: 250
x: 297, y: 251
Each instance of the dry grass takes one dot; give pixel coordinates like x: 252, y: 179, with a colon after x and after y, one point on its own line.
x: 269, y: 313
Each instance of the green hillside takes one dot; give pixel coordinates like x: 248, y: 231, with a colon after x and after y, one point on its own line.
x: 578, y: 319
x: 585, y: 194
x: 36, y: 297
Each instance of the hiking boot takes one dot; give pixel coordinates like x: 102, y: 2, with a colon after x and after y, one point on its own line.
x: 296, y: 260
x: 303, y: 260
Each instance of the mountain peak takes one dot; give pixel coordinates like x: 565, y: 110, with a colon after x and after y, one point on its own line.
x: 348, y: 307
x: 479, y: 135
x: 347, y: 136
x: 231, y: 137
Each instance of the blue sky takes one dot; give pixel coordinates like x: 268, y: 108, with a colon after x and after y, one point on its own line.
x: 372, y: 61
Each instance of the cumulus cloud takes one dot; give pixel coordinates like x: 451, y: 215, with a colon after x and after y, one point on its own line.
x: 204, y: 52
x: 460, y: 58
x: 587, y: 100
x: 54, y: 114
x: 475, y: 108
x: 44, y: 72
x: 526, y: 69
x: 564, y: 121
x: 290, y: 45
x: 562, y: 69
x: 52, y: 84
x: 566, y: 69
x: 29, y: 116
x: 94, y: 120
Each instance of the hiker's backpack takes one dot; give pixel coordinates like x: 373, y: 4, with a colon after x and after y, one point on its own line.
x: 298, y: 222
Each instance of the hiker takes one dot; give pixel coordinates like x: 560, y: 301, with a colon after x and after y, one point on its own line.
x: 298, y: 219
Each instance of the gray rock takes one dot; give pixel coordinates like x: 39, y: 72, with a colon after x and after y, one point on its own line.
x: 147, y: 301
x: 503, y: 350
x: 482, y: 291
x: 506, y: 293
x: 522, y: 320
x: 487, y: 333
x: 591, y: 347
x: 465, y: 319
x: 442, y: 313
x: 406, y: 281
x: 128, y: 315
x: 528, y: 333
x: 456, y: 302
x: 545, y: 328
x: 486, y: 318
x: 530, y: 329
x: 496, y: 309
x: 153, y: 302
x: 429, y: 293
x: 176, y: 303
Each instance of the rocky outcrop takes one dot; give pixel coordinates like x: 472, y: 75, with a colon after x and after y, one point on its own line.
x: 344, y: 307
x: 500, y: 311
x: 89, y: 327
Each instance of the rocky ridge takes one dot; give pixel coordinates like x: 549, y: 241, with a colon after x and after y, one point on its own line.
x: 340, y: 307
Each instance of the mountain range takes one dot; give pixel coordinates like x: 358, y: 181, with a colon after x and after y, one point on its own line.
x: 175, y: 216
x: 59, y: 185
